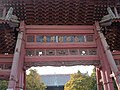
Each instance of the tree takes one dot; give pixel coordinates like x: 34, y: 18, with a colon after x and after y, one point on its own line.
x: 3, y: 84
x: 33, y: 81
x: 79, y: 81
x: 94, y: 81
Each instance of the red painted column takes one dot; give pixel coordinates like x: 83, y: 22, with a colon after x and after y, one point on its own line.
x: 98, y: 77
x: 104, y: 81
x: 108, y: 73
x: 102, y: 70
x: 20, y: 71
x: 17, y: 60
x: 109, y: 81
x: 24, y: 80
x: 109, y: 56
x: 14, y: 70
x: 20, y: 75
x: 105, y: 67
x: 23, y: 69
x: 22, y: 59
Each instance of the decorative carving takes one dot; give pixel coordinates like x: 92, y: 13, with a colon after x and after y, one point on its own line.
x: 53, y: 38
x: 30, y: 38
x: 61, y: 39
x: 40, y: 52
x: 76, y: 39
x: 39, y: 38
x: 30, y: 52
x: 73, y: 51
x: 83, y: 52
x: 92, y: 52
x: 61, y: 52
x: 89, y: 38
x: 50, y: 52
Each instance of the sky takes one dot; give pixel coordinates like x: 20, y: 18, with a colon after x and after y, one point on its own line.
x: 63, y: 69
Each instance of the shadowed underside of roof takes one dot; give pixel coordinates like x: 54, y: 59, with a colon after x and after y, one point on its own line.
x: 59, y: 12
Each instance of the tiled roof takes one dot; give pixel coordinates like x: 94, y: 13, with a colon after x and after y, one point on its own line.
x: 56, y: 79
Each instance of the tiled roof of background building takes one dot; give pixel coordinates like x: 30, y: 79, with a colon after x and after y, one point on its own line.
x: 56, y: 79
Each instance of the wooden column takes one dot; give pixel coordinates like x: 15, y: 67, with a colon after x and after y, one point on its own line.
x: 18, y: 57
x: 98, y: 77
x: 105, y: 66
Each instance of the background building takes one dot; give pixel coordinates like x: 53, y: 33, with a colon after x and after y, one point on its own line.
x: 56, y: 81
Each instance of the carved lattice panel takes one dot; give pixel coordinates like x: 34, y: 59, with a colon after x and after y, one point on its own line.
x: 92, y: 52
x: 73, y: 51
x: 40, y: 52
x: 50, y: 52
x: 30, y: 52
x: 83, y: 51
x: 30, y: 38
x: 60, y: 52
x: 89, y: 38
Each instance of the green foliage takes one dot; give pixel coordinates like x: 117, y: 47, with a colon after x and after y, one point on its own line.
x: 33, y: 81
x: 81, y: 81
x: 3, y: 84
x: 93, y: 82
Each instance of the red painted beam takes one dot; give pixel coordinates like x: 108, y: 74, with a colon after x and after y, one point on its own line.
x: 60, y: 45
x: 116, y: 57
x: 4, y: 72
x: 4, y: 77
x: 59, y: 27
x: 52, y: 29
x: 116, y: 53
x: 34, y: 31
x: 60, y: 58
x: 6, y: 58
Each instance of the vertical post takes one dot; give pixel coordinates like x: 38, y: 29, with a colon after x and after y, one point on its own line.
x: 109, y: 80
x: 24, y: 80
x: 18, y: 59
x: 20, y: 73
x: 21, y: 77
x: 102, y: 70
x: 23, y: 71
x: 109, y: 56
x: 20, y: 70
x: 14, y: 70
x: 104, y: 81
x: 98, y: 77
x: 105, y: 67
